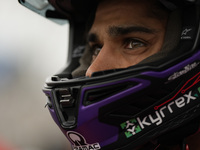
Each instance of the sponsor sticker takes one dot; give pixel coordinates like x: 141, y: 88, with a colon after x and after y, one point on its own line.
x: 171, y: 106
x: 79, y: 142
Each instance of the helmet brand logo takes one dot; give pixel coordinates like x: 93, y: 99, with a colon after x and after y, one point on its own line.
x: 186, y: 34
x: 185, y: 31
x: 79, y: 142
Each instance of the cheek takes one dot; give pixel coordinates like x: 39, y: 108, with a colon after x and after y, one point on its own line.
x: 131, y: 60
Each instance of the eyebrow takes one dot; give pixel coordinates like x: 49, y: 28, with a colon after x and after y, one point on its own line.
x: 120, y: 30
x: 92, y: 37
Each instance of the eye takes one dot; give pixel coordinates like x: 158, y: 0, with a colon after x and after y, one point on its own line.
x: 95, y: 49
x: 134, y: 43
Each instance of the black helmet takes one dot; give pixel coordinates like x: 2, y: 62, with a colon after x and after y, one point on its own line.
x: 157, y: 100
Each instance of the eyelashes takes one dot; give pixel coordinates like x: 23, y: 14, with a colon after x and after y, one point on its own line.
x: 128, y: 44
x: 134, y: 43
x: 95, y: 49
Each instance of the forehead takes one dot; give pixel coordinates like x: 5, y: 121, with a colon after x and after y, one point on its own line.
x: 123, y: 12
x: 141, y: 7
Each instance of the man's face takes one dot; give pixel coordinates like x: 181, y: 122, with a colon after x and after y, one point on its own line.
x: 124, y: 33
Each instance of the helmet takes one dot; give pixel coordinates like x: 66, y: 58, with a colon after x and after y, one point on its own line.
x: 154, y: 102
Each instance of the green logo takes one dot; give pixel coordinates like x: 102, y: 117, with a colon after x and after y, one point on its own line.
x: 131, y: 127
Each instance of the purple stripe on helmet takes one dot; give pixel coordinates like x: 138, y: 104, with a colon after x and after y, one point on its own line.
x: 173, y: 69
x: 90, y: 113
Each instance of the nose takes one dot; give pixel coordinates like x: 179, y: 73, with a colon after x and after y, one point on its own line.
x: 105, y: 60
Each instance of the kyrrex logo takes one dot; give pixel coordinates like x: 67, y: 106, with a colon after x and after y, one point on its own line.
x: 169, y: 107
x: 137, y: 124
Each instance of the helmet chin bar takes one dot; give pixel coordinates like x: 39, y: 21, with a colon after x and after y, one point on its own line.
x: 115, y: 108
x: 122, y: 109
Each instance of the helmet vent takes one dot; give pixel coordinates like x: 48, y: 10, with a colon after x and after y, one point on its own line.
x: 95, y: 95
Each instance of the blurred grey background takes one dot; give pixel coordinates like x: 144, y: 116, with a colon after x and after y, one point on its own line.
x: 31, y: 49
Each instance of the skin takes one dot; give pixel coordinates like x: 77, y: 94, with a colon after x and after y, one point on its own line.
x: 123, y: 34
x: 126, y: 31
